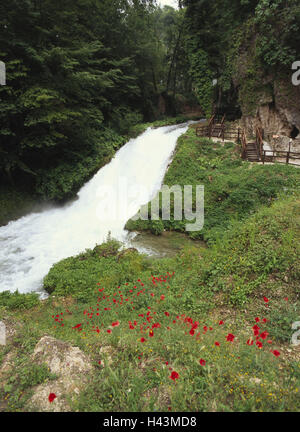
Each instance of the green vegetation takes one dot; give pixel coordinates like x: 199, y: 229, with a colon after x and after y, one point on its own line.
x: 142, y: 320
x: 233, y: 189
x: 14, y: 202
x: 18, y: 301
x: 78, y: 276
x: 245, y: 45
x: 75, y: 89
x: 210, y: 328
x: 133, y: 375
x: 168, y: 121
x: 258, y: 255
x: 63, y: 181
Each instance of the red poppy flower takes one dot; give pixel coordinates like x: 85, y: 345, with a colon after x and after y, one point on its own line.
x: 256, y: 330
x: 51, y: 397
x: 143, y: 340
x: 192, y: 332
x: 264, y: 335
x: 259, y: 344
x: 286, y: 298
x: 221, y: 322
x: 174, y: 375
x: 217, y: 343
x: 257, y: 319
x: 276, y: 353
x: 115, y: 324
x: 249, y: 342
x: 151, y: 334
x: 167, y: 314
x: 266, y: 299
x: 108, y: 331
x: 77, y: 326
x: 202, y: 362
x: 230, y: 337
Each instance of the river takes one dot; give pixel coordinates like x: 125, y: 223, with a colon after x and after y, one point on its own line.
x: 33, y: 243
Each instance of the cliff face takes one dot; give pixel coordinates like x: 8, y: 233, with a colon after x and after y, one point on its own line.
x: 278, y: 113
x: 269, y: 101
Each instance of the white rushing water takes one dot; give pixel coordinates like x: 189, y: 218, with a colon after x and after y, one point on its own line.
x: 32, y: 244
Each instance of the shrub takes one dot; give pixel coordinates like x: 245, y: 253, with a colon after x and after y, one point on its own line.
x: 18, y: 301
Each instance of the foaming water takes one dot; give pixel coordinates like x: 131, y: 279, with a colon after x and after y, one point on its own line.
x: 32, y: 244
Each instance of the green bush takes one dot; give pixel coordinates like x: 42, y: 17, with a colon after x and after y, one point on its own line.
x: 78, y: 276
x: 16, y: 300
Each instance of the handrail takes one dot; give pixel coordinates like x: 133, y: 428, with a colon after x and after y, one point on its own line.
x: 210, y: 125
x: 244, y: 144
x: 222, y: 131
x: 259, y: 142
x: 211, y: 121
x: 287, y: 155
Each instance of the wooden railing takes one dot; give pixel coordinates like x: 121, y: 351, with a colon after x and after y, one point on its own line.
x: 206, y: 129
x: 219, y: 130
x: 244, y: 144
x: 259, y: 142
x: 227, y: 132
x: 222, y: 128
x: 211, y: 120
x: 270, y: 155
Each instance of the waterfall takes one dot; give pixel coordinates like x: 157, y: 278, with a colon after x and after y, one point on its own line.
x: 33, y: 243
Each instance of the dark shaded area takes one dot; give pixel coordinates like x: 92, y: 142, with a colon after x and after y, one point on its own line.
x: 294, y: 133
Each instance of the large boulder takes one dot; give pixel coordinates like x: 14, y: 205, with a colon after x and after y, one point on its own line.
x: 70, y: 365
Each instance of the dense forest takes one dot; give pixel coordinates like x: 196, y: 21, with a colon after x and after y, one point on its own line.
x: 80, y: 74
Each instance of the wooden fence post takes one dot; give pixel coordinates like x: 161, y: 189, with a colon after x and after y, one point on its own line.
x: 288, y: 153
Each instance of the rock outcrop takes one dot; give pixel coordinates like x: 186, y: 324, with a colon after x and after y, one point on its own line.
x: 69, y: 364
x: 267, y: 99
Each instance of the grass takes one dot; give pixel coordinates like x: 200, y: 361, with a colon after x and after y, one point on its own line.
x: 133, y: 375
x: 233, y: 189
x: 143, y: 321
